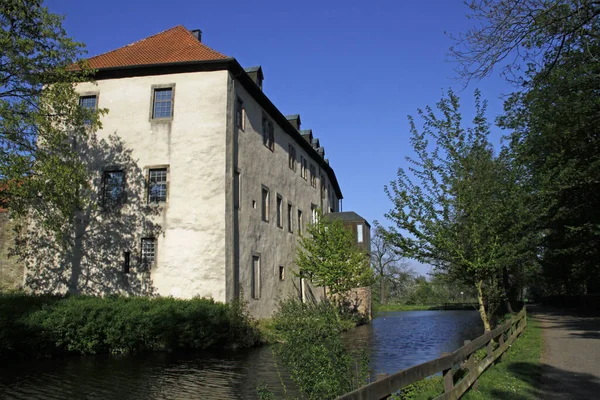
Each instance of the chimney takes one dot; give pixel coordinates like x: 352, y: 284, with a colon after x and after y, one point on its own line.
x: 294, y: 120
x: 307, y: 135
x: 321, y: 151
x: 256, y: 75
x: 197, y: 34
x: 315, y: 143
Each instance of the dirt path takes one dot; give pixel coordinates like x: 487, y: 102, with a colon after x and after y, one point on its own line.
x: 571, y: 354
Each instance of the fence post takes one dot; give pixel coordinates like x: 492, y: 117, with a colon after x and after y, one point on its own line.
x: 489, y: 348
x: 448, y: 378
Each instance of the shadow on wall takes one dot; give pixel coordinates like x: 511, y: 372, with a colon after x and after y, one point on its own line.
x: 91, y: 258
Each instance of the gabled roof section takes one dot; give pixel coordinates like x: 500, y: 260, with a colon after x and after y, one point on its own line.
x: 175, y: 45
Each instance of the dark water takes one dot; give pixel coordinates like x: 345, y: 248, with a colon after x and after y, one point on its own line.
x: 396, y: 341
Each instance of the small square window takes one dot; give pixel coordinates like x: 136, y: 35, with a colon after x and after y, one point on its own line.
x: 148, y: 253
x: 113, y: 188
x: 157, y: 185
x: 162, y: 103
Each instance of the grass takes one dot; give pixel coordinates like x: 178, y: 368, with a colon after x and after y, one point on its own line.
x: 517, y: 374
x: 402, y: 307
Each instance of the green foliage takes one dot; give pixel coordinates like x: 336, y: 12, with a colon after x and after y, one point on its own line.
x: 425, y: 389
x: 329, y: 257
x: 313, y: 351
x: 40, y: 117
x: 47, y: 325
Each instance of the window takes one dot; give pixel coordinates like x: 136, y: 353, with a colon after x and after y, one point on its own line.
x: 265, y: 204
x: 157, y: 185
x: 315, y: 213
x: 239, y: 114
x: 281, y: 273
x: 237, y: 189
x: 359, y: 233
x: 126, y: 261
x: 90, y: 104
x: 300, y: 222
x: 113, y: 188
x: 303, y: 170
x: 279, y: 211
x: 256, y: 277
x: 268, y: 133
x: 292, y: 158
x: 162, y: 103
x: 290, y: 219
x: 313, y: 176
x: 323, y: 187
x: 148, y: 253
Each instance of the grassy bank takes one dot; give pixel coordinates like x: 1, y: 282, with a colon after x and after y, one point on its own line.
x: 42, y: 326
x: 516, y: 375
x: 402, y: 307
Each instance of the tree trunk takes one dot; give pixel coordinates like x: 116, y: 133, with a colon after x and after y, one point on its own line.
x: 506, y: 284
x: 482, y: 313
x: 382, y: 289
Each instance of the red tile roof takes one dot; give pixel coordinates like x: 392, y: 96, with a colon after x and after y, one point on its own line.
x: 171, y: 46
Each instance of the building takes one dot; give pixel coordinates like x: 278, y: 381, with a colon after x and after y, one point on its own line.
x: 203, y: 185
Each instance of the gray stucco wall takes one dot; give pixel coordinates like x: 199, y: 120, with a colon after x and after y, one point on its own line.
x: 11, y: 269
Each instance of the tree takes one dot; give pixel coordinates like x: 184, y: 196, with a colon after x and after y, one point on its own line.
x: 329, y: 257
x: 446, y: 212
x: 40, y: 118
x: 556, y: 138
x: 386, y: 263
x: 523, y: 35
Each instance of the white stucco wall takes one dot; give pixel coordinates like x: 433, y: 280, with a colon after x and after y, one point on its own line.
x: 191, y: 248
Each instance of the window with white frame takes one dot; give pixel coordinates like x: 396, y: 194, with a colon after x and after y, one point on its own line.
x: 303, y: 171
x: 157, y: 185
x: 300, y: 222
x: 265, y: 204
x: 256, y: 277
x: 162, y: 103
x: 148, y: 253
x: 315, y: 213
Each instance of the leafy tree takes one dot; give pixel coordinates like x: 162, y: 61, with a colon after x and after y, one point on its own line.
x: 40, y: 119
x: 329, y: 257
x: 556, y: 138
x: 446, y: 212
x: 523, y: 35
x: 386, y: 263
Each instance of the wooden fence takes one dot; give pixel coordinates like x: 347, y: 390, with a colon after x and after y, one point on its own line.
x: 447, y: 364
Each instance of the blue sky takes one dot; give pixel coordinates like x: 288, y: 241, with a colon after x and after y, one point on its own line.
x: 353, y: 70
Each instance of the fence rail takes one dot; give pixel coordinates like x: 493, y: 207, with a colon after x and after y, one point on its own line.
x: 504, y: 335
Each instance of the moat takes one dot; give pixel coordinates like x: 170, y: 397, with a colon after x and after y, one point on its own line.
x: 396, y: 340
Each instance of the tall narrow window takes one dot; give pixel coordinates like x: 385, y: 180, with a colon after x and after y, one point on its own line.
x: 157, y: 185
x: 359, y: 233
x: 292, y: 158
x: 265, y: 204
x: 268, y: 132
x: 315, y: 213
x: 162, y: 103
x: 113, y: 188
x: 303, y: 171
x: 281, y: 273
x: 302, y: 291
x: 323, y: 187
x: 148, y: 253
x: 313, y: 176
x: 290, y: 219
x: 239, y: 114
x: 256, y: 277
x: 126, y: 261
x: 279, y: 211
x: 300, y: 222
x: 237, y: 189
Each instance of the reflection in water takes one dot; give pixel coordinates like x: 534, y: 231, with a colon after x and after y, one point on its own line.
x: 396, y: 341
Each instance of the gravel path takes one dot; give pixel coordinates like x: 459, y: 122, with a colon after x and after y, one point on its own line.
x: 571, y: 354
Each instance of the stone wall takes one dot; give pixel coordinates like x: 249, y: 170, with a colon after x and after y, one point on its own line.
x: 11, y: 271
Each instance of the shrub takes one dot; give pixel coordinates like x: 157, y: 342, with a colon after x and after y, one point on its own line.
x: 313, y: 350
x: 43, y: 325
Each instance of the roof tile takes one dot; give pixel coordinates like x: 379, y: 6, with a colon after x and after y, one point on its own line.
x: 171, y: 46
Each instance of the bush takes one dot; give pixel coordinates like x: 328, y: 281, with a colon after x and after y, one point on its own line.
x: 43, y: 325
x: 313, y: 350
